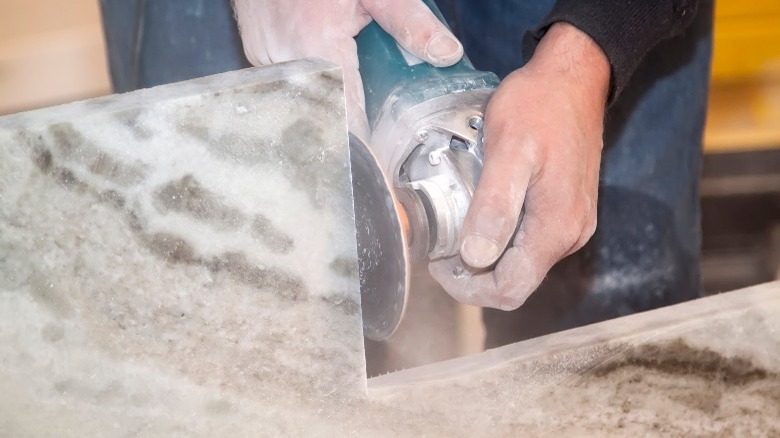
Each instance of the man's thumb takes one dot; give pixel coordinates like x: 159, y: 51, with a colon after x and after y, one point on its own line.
x: 494, y: 211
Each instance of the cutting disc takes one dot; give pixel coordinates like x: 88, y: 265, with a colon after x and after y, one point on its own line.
x: 383, y: 259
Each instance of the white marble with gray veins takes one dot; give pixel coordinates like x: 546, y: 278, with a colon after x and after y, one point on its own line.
x: 180, y: 261
x: 162, y: 246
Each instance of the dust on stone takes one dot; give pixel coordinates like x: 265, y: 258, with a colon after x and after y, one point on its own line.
x: 673, y: 388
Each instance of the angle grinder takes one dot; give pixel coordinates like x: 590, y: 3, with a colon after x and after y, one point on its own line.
x: 426, y: 125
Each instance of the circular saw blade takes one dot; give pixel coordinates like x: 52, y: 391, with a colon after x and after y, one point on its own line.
x: 383, y: 258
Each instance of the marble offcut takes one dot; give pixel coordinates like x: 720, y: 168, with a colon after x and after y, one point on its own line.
x: 162, y: 246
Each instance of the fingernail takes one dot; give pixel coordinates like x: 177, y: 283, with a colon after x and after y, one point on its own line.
x: 480, y: 246
x: 479, y: 251
x: 444, y: 49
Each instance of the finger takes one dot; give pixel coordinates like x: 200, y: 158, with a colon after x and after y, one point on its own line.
x: 495, y: 208
x: 543, y: 238
x: 552, y: 227
x: 465, y: 284
x: 496, y: 288
x: 417, y: 30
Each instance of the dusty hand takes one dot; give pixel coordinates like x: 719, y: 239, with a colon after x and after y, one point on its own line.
x: 543, y: 141
x: 283, y: 30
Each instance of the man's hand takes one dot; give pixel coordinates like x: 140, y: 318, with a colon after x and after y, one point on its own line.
x: 283, y: 30
x: 543, y: 141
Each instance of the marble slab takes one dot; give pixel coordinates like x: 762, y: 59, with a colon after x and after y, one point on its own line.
x: 180, y: 261
x: 161, y: 247
x: 709, y: 367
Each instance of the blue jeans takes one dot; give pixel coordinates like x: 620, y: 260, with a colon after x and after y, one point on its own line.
x: 645, y: 252
x: 153, y: 42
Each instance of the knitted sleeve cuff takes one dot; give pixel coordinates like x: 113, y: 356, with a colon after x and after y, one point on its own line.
x: 624, y: 29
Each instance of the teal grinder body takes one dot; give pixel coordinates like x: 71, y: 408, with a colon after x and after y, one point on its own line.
x: 426, y: 125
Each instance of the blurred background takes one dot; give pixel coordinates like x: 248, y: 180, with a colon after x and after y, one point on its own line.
x: 52, y: 51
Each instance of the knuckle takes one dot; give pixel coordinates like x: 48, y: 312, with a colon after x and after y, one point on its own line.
x: 531, y: 152
x: 516, y: 296
x: 587, y: 232
x: 509, y: 303
x: 567, y: 238
x: 590, y: 229
x: 589, y: 218
x: 570, y: 233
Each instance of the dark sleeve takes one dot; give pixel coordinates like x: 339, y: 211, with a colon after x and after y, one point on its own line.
x: 624, y: 29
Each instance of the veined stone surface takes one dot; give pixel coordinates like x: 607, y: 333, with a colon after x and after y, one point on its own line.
x: 189, y: 236
x: 181, y: 261
x: 709, y: 367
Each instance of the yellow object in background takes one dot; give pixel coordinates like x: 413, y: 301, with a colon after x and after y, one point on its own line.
x: 747, y: 40
x: 744, y: 107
